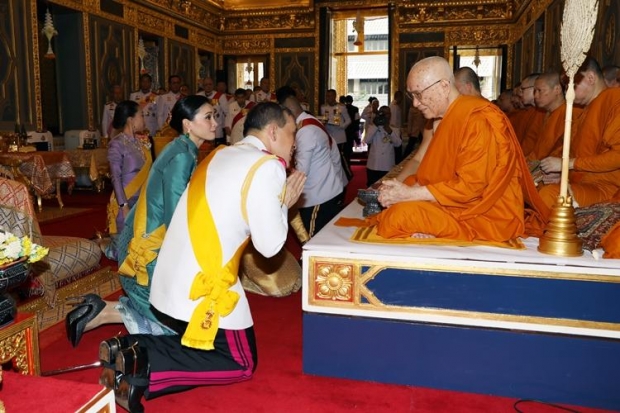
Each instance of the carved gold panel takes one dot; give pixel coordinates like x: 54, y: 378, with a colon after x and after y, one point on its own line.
x: 19, y: 343
x: 478, y: 35
x: 333, y: 282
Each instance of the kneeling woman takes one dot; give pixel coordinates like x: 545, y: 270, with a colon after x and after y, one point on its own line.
x: 193, y: 118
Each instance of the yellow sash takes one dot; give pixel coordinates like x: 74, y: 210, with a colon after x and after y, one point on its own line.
x: 214, y: 279
x: 130, y: 190
x: 143, y: 246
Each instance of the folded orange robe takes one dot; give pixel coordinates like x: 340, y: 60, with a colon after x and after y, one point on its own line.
x: 533, y: 123
x: 595, y: 146
x: 551, y: 135
x: 475, y: 169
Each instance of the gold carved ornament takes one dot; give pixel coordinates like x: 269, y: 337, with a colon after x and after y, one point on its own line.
x: 334, y: 282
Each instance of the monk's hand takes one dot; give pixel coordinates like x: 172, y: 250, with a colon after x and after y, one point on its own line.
x: 294, y: 185
x: 392, y: 191
x: 552, y: 178
x: 551, y: 164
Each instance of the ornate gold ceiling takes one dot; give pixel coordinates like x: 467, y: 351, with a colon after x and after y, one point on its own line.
x: 254, y: 4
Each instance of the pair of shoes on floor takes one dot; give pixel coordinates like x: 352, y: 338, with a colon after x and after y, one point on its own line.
x: 87, y: 307
x: 126, y: 371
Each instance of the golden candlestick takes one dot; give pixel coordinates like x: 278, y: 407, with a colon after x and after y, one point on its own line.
x: 560, y: 237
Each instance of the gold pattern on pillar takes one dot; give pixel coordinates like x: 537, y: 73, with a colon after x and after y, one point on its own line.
x: 333, y: 282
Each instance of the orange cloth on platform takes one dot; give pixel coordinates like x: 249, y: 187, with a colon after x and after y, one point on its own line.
x: 595, y: 146
x: 551, y: 134
x: 533, y: 125
x: 475, y: 170
x: 611, y: 242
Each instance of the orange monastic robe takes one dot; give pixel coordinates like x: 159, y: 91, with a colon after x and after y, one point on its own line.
x: 596, y: 148
x: 530, y: 130
x: 475, y: 170
x: 551, y: 134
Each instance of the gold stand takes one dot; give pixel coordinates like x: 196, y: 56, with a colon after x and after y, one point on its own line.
x: 560, y: 237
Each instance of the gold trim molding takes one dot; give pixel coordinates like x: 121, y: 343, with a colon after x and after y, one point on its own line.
x: 341, y: 283
x: 476, y: 35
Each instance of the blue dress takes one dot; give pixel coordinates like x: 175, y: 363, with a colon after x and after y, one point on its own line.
x: 167, y: 180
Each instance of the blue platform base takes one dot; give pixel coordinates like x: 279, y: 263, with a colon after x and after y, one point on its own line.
x: 554, y: 368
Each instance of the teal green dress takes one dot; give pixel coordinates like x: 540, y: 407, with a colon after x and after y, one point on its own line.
x: 167, y: 180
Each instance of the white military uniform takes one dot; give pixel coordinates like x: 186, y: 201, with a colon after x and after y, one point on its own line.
x: 106, y: 119
x: 265, y: 222
x: 337, y: 121
x: 262, y: 96
x: 165, y: 103
x: 320, y: 161
x: 219, y: 101
x: 236, y: 118
x: 148, y: 103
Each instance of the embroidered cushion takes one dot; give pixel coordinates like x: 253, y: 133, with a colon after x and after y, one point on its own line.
x: 595, y: 221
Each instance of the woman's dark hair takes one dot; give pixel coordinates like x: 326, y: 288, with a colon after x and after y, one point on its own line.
x: 124, y: 110
x: 185, y: 108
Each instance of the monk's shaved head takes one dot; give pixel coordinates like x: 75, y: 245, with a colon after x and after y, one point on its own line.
x: 589, y: 82
x: 550, y: 79
x: 548, y: 93
x: 611, y: 74
x: 430, y: 85
x: 467, y: 81
x: 433, y: 67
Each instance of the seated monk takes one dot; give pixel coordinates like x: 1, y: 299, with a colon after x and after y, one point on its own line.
x: 530, y: 121
x: 594, y: 161
x: 549, y: 96
x: 472, y: 182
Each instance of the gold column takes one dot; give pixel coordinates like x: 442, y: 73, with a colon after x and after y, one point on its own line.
x: 339, y: 37
x: 37, y: 68
x: 88, y: 71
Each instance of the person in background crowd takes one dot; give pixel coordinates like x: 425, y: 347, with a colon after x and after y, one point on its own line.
x: 467, y: 82
x: 318, y: 157
x: 129, y: 155
x: 263, y: 93
x: 220, y: 104
x: 108, y: 112
x: 147, y: 100
x: 353, y: 130
x: 397, y: 121
x: 612, y: 75
x: 381, y: 138
x: 238, y: 111
x: 166, y: 102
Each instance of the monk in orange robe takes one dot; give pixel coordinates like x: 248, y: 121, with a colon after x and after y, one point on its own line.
x: 549, y: 96
x: 594, y: 161
x: 528, y: 123
x: 471, y: 181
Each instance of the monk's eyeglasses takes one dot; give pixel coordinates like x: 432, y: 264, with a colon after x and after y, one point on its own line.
x: 418, y: 95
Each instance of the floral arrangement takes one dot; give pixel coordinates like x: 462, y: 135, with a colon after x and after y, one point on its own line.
x: 12, y: 248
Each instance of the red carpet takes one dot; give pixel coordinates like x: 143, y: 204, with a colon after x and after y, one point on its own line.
x: 279, y: 384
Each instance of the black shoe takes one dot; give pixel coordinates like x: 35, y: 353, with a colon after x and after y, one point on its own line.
x: 110, y: 378
x: 108, y: 349
x: 132, y: 361
x: 85, y: 311
x: 129, y: 393
x: 134, y: 366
